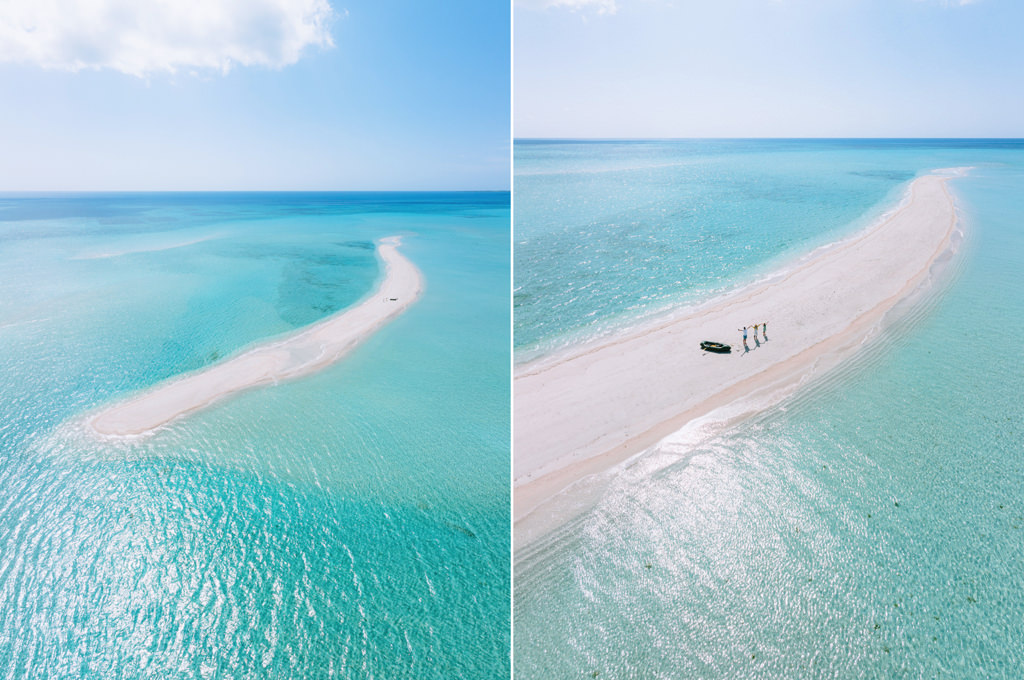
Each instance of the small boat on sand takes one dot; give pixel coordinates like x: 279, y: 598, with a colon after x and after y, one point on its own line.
x: 718, y: 347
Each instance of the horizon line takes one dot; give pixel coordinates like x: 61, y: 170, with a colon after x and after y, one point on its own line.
x: 13, y: 193
x: 779, y: 138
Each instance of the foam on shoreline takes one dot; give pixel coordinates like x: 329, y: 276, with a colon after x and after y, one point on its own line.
x: 581, y: 413
x: 307, y: 350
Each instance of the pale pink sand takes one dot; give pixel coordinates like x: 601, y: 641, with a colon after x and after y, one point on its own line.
x: 586, y: 411
x: 308, y: 350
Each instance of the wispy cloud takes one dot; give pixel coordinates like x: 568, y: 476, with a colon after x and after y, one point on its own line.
x: 142, y: 37
x: 599, y: 6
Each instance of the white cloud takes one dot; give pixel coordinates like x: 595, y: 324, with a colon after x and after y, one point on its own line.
x: 600, y: 6
x: 141, y: 37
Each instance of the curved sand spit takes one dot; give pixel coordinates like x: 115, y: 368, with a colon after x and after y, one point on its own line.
x: 586, y: 411
x: 308, y: 350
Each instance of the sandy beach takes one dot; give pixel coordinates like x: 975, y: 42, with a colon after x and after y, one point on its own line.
x: 308, y: 350
x: 583, y: 412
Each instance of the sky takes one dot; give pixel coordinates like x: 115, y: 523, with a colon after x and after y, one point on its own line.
x: 768, y: 68
x: 206, y: 95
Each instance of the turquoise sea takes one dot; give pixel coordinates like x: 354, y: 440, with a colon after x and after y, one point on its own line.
x: 869, y: 526
x: 350, y: 524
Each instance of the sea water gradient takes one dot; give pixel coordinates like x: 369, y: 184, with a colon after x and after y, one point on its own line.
x: 872, y: 525
x: 350, y: 524
x: 611, y: 233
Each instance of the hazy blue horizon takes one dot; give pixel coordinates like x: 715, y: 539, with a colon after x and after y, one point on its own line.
x: 781, y: 139
x: 242, y: 192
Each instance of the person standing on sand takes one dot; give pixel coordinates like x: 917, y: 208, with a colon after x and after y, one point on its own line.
x: 764, y: 330
x: 744, y: 329
x: 755, y: 331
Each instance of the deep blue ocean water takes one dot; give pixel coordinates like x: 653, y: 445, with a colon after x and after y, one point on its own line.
x: 871, y: 525
x: 351, y: 524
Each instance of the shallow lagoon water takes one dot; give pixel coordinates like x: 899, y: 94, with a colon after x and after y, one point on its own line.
x: 869, y: 526
x: 610, y: 234
x: 350, y: 524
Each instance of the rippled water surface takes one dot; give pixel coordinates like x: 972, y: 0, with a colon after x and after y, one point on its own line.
x: 609, y: 233
x: 352, y: 524
x: 872, y: 526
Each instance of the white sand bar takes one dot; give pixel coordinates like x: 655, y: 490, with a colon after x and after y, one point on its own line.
x: 308, y: 350
x: 585, y: 411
